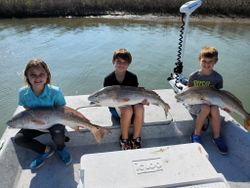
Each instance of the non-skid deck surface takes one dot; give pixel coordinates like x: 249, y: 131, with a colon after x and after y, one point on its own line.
x: 55, y: 174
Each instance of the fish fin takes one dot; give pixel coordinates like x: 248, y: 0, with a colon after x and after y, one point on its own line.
x: 99, y: 132
x: 203, y: 99
x: 166, y: 112
x: 123, y: 100
x: 247, y: 123
x: 77, y: 128
x: 75, y: 112
x: 147, y: 90
x: 140, y: 87
x: 130, y: 87
x: 145, y: 102
x: 152, y: 92
x: 69, y: 109
x: 166, y: 109
x: 38, y: 121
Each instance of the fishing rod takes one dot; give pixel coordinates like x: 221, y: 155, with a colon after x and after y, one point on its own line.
x: 177, y: 80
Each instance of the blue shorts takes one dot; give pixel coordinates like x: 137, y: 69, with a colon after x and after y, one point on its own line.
x: 115, y: 113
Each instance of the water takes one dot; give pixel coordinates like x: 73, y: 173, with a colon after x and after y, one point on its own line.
x: 79, y: 53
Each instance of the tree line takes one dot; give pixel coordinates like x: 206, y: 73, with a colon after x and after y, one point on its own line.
x: 55, y: 8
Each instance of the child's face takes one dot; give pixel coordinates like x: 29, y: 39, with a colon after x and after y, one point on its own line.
x: 121, y: 65
x: 207, y: 64
x: 37, y: 77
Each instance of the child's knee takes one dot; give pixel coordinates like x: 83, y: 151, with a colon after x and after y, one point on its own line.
x: 57, y: 133
x: 205, y: 109
x: 57, y: 129
x: 127, y: 111
x: 139, y: 109
x: 20, y: 139
x: 215, y: 110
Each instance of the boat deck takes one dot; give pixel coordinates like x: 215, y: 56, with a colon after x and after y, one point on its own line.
x: 157, y: 131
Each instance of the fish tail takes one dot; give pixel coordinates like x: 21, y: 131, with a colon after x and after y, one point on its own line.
x: 247, y: 123
x: 99, y: 132
x: 166, y: 109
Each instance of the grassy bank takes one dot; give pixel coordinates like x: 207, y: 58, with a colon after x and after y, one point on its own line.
x: 55, y: 8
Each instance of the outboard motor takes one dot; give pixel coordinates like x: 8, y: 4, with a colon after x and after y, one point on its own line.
x: 177, y: 81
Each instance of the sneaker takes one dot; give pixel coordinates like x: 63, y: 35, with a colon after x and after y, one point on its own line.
x: 222, y: 147
x: 125, y: 143
x: 40, y: 159
x: 195, y: 138
x: 136, y: 143
x: 65, y: 155
x: 66, y: 139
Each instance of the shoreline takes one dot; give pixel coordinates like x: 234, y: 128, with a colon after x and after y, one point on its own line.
x: 155, y: 18
x: 175, y: 18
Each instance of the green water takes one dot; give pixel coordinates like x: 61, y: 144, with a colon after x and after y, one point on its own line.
x: 79, y: 53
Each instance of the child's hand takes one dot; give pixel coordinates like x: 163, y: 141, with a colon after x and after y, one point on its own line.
x: 227, y: 110
x: 145, y: 102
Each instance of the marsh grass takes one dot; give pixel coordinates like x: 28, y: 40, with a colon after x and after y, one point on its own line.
x: 55, y: 8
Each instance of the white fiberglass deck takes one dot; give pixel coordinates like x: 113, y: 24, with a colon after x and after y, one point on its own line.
x: 157, y: 131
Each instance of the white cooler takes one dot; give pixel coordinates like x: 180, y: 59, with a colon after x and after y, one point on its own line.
x: 185, y: 165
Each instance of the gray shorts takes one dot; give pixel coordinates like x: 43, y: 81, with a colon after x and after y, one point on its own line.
x: 194, y: 109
